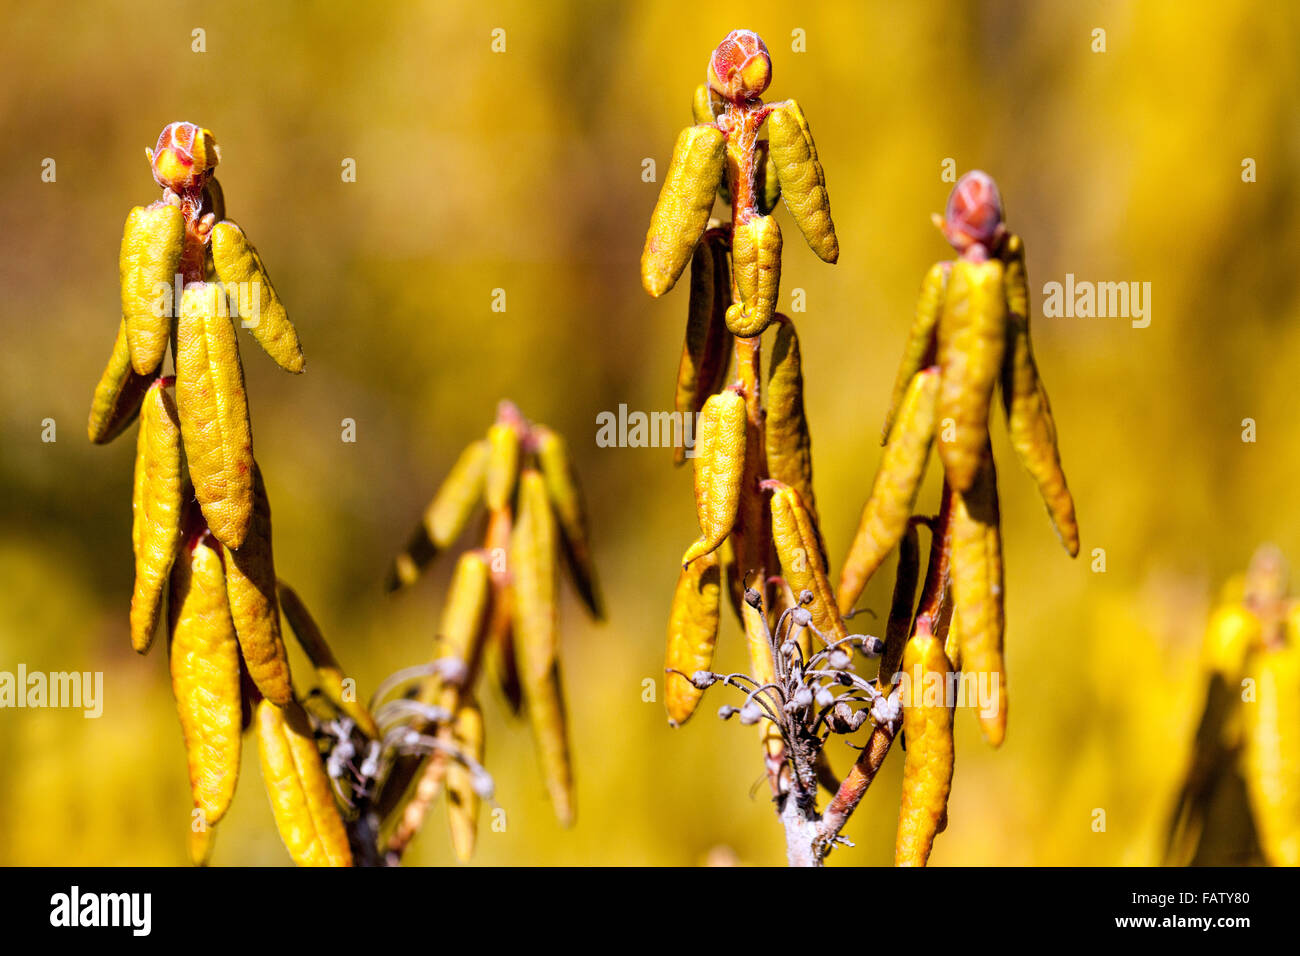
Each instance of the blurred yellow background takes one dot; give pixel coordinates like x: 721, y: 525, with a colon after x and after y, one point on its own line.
x: 521, y: 171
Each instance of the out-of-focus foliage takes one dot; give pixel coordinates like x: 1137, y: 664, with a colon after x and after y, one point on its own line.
x: 521, y: 171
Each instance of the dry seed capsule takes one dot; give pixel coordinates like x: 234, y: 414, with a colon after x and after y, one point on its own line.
x: 118, y: 395
x: 719, y: 466
x: 801, y: 177
x: 706, y: 353
x: 571, y: 511
x: 532, y: 563
x: 502, y: 465
x: 204, y: 662
x: 888, y: 509
x: 329, y: 674
x: 254, y: 606
x: 977, y: 595
x: 302, y: 800
x: 1029, y: 414
x: 240, y: 269
x: 462, y: 798
x: 157, y: 504
x: 803, y: 558
x: 789, y: 444
x: 444, y: 518
x: 921, y: 343
x: 756, y: 259
x: 972, y: 341
x: 151, y: 251
x: 1272, y: 755
x: 213, y: 409
x: 682, y: 211
x: 692, y: 634
x: 927, y: 767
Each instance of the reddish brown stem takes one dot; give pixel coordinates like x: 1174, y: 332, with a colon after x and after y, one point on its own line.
x: 854, y: 787
x: 935, y: 590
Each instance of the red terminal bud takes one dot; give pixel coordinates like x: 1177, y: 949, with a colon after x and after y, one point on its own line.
x: 184, y: 157
x: 974, y: 213
x: 740, y: 68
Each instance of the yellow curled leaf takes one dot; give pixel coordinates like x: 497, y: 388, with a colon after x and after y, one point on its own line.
x: 789, y: 443
x: 706, y: 105
x: 502, y: 465
x: 462, y: 799
x: 756, y: 260
x: 532, y: 565
x: 204, y: 662
x: 498, y: 642
x: 731, y: 583
x: 1272, y: 754
x: 499, y: 651
x: 1233, y: 633
x: 329, y: 673
x: 803, y: 558
x: 157, y: 504
x: 767, y: 189
x: 213, y: 409
x: 464, y: 618
x: 200, y: 844
x: 927, y: 767
x: 972, y: 341
x: 118, y: 395
x: 302, y: 800
x: 952, y: 640
x: 893, y: 494
x: 214, y: 200
x: 444, y: 518
x: 692, y: 634
x: 921, y: 349
x: 706, y: 353
x: 571, y: 511
x: 254, y: 606
x: 976, y: 562
x: 802, y: 180
x: 240, y: 269
x: 1029, y: 414
x: 719, y: 465
x: 682, y: 210
x: 152, y: 242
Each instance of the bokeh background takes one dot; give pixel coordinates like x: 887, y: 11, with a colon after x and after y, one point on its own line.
x: 521, y: 171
